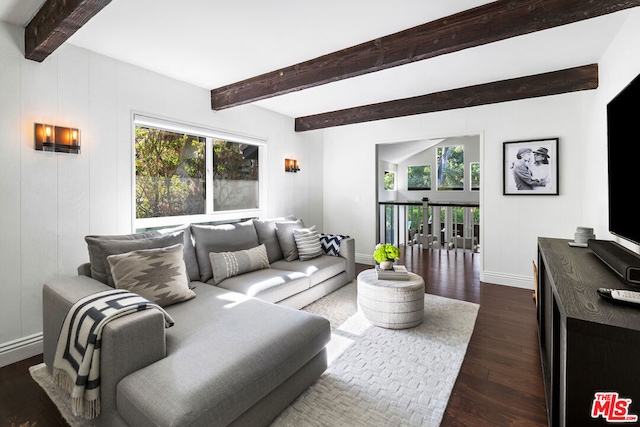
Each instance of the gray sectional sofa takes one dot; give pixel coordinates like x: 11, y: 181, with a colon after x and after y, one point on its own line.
x: 239, y: 352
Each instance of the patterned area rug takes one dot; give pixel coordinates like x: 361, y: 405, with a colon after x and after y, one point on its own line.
x: 376, y: 377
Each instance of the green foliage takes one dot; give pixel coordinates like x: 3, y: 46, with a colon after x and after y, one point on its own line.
x: 419, y: 177
x: 389, y: 180
x: 450, y: 168
x: 169, y: 168
x: 234, y: 176
x: 475, y: 175
x: 386, y: 252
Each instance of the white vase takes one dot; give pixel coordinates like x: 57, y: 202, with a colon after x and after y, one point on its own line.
x: 386, y: 265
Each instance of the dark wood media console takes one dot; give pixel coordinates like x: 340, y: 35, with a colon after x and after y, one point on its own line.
x: 587, y: 345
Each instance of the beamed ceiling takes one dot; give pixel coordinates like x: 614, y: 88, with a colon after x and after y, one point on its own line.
x: 330, y: 63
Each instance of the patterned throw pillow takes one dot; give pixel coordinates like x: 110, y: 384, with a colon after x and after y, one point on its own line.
x: 229, y: 264
x: 159, y: 275
x: 308, y: 243
x: 331, y: 243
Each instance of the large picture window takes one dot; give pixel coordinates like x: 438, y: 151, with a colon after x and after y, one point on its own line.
x: 190, y: 174
x: 450, y: 168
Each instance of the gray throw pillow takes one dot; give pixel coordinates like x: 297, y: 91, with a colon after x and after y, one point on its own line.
x: 266, y: 229
x: 308, y: 243
x: 229, y: 264
x: 98, y: 260
x: 284, y: 231
x: 115, y: 247
x: 189, y: 254
x: 221, y: 238
x: 159, y: 275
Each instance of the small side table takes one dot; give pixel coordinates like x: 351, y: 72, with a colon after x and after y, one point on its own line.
x: 391, y: 304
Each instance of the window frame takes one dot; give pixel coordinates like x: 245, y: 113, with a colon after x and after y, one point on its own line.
x: 395, y: 180
x: 471, y: 187
x: 430, y: 178
x: 437, y: 185
x: 140, y: 119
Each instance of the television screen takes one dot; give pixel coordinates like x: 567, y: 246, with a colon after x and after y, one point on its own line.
x: 623, y: 129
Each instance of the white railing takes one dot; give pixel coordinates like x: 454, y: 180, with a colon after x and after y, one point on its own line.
x: 403, y: 223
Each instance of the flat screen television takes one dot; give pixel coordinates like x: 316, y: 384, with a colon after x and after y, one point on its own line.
x: 623, y: 151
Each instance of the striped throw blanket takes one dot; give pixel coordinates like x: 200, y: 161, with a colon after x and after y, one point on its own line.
x: 76, y: 367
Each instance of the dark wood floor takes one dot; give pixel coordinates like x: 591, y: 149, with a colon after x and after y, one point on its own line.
x: 500, y: 382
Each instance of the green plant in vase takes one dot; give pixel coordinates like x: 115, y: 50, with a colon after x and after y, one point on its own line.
x: 385, y: 254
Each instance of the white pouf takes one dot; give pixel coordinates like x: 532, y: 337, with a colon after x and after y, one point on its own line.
x: 391, y: 304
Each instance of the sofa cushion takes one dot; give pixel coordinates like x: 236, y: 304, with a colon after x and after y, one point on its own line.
x: 284, y: 231
x: 159, y: 275
x: 266, y: 229
x: 269, y: 285
x: 215, y: 372
x: 116, y: 246
x: 221, y: 238
x: 189, y: 255
x: 229, y: 264
x: 308, y: 243
x: 317, y: 269
x: 98, y: 260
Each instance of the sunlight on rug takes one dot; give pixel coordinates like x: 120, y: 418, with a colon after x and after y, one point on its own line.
x: 381, y: 377
x: 376, y: 376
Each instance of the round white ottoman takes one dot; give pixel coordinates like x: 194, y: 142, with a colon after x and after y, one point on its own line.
x: 392, y: 304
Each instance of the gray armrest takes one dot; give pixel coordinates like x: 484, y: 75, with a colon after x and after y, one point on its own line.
x: 129, y: 343
x: 348, y: 251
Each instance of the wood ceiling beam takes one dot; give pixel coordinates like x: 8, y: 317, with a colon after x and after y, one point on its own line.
x: 552, y: 83
x: 55, y: 22
x: 498, y: 20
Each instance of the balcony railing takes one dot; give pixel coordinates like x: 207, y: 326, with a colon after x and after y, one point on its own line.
x: 455, y: 224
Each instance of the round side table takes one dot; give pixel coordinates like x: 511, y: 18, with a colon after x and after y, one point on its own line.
x: 391, y: 304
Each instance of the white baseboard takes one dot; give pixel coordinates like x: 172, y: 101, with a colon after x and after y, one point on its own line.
x: 364, y: 259
x: 20, y: 349
x: 516, y: 281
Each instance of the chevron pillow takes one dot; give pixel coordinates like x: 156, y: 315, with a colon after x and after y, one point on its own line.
x: 331, y: 243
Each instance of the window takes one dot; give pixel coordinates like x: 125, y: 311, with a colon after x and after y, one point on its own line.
x: 475, y: 176
x: 190, y: 174
x: 419, y: 177
x: 389, y: 180
x: 450, y: 168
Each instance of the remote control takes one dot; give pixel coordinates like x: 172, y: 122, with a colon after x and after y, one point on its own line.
x: 620, y: 295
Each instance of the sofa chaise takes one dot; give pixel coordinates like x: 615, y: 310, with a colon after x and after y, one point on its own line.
x: 239, y: 351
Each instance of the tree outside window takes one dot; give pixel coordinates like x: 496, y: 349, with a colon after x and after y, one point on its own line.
x: 235, y: 176
x: 389, y: 180
x: 450, y: 168
x: 475, y: 176
x: 169, y: 173
x: 419, y: 177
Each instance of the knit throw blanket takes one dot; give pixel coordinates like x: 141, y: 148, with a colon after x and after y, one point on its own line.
x: 76, y: 367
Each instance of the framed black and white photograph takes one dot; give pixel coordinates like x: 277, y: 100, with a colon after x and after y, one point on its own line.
x: 530, y: 167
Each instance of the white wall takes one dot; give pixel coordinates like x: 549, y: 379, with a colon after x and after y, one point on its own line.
x: 50, y: 201
x: 510, y: 225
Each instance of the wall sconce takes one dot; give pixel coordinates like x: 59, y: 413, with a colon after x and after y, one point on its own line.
x: 57, y: 139
x: 291, y: 165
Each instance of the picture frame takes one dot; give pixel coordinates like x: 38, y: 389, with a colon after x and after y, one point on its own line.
x: 530, y: 167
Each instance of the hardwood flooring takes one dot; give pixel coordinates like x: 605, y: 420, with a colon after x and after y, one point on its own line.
x: 500, y: 382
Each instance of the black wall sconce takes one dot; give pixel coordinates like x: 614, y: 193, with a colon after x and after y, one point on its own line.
x: 57, y: 138
x: 291, y: 165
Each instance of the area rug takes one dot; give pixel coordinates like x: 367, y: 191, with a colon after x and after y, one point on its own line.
x: 376, y: 376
